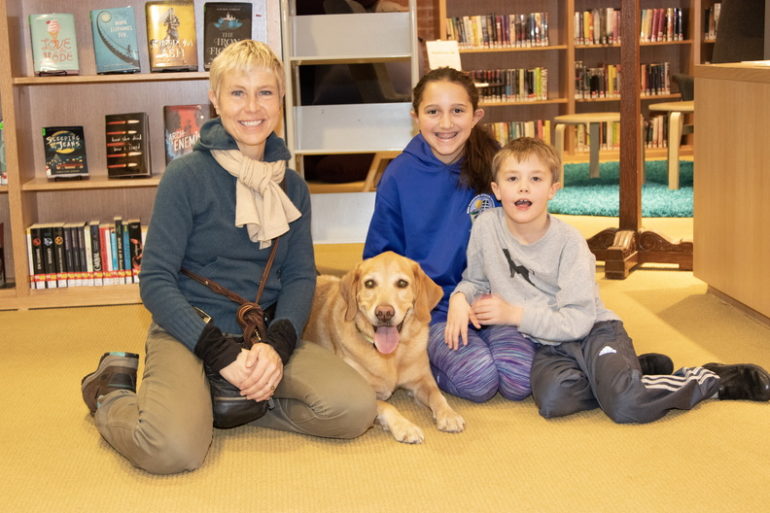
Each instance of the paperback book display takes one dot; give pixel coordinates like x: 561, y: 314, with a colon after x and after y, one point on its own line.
x: 224, y: 23
x: 183, y: 127
x: 54, y: 44
x: 85, y: 253
x: 65, y: 152
x: 115, y: 43
x: 128, y: 150
x: 171, y: 37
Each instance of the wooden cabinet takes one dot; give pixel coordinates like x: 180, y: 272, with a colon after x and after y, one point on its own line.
x: 562, y: 53
x: 29, y: 103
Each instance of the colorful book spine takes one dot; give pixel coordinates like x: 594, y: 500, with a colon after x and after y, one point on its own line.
x: 116, y: 49
x: 54, y: 44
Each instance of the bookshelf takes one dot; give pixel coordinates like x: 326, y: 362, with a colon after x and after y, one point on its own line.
x: 354, y: 38
x: 562, y: 52
x: 28, y: 103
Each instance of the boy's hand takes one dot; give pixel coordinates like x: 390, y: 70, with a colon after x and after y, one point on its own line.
x: 490, y: 309
x: 459, y: 315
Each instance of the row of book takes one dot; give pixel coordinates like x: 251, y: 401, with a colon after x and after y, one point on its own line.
x: 662, y: 24
x: 506, y: 131
x: 511, y: 85
x: 499, y: 30
x: 711, y: 20
x: 654, y: 134
x: 84, y: 253
x: 601, y: 26
x: 171, y: 37
x: 604, y: 81
x: 126, y: 139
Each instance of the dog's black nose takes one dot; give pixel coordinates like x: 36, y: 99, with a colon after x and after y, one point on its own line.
x: 384, y: 312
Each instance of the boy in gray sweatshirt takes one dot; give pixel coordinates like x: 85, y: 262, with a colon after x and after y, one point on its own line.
x: 531, y: 270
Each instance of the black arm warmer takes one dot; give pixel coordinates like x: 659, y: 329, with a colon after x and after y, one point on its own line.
x: 216, y: 349
x: 282, y: 337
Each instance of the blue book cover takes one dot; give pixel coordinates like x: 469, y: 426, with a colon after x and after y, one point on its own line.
x: 54, y: 44
x: 115, y: 43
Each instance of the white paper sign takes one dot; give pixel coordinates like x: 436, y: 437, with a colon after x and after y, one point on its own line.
x: 443, y: 53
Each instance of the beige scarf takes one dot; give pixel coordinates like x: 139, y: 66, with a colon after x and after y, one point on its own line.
x: 260, y: 203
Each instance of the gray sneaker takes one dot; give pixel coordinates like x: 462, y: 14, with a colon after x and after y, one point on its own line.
x: 116, y: 371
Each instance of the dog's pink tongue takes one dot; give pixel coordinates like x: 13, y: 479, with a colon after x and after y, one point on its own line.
x: 386, y: 339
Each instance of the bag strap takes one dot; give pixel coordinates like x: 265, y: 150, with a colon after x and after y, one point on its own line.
x: 250, y: 315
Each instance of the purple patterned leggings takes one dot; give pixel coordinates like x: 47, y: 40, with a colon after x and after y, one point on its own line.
x: 496, y: 359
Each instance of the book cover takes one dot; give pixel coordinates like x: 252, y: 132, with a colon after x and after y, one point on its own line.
x: 224, y: 23
x: 171, y: 37
x: 65, y: 152
x: 116, y: 49
x: 182, y: 127
x: 128, y: 148
x: 54, y: 44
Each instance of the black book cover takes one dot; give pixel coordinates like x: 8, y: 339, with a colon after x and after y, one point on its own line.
x: 65, y: 152
x: 60, y: 256
x: 224, y: 23
x: 128, y: 149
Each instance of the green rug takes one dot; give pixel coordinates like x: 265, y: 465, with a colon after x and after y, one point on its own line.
x: 586, y: 196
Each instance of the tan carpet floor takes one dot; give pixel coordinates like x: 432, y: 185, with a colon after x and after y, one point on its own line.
x: 712, y: 459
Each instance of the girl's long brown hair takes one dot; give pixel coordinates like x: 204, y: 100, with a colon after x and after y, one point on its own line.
x: 480, y: 148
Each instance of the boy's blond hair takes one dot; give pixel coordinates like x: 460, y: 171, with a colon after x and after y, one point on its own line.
x: 524, y: 147
x: 243, y: 56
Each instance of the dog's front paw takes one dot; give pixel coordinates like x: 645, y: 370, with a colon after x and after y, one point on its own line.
x: 450, y: 421
x: 406, y: 432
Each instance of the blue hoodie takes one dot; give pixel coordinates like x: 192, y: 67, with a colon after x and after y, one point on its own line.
x: 423, y: 212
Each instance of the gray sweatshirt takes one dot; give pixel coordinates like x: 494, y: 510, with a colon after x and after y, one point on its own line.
x: 552, y: 279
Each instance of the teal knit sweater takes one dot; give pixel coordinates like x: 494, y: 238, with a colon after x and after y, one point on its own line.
x: 193, y: 227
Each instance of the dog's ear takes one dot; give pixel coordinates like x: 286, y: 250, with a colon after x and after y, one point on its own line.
x: 427, y: 294
x: 348, y: 288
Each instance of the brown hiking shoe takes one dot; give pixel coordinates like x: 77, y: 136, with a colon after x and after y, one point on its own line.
x: 116, y: 371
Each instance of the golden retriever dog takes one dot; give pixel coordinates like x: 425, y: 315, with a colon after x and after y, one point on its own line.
x: 376, y: 319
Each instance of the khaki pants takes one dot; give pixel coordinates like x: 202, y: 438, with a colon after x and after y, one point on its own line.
x: 167, y: 426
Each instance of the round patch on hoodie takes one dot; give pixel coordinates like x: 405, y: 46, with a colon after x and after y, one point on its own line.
x: 479, y: 204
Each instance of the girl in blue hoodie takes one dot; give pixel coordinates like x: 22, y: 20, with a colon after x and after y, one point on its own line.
x: 427, y: 199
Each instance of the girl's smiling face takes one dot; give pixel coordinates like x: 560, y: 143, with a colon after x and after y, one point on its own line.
x: 445, y: 118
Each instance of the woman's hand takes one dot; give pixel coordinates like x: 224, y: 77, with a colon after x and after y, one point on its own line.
x: 491, y: 309
x: 256, y: 372
x: 459, y: 315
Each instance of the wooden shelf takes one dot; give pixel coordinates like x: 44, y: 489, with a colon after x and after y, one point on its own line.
x: 94, y: 182
x: 109, y: 79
